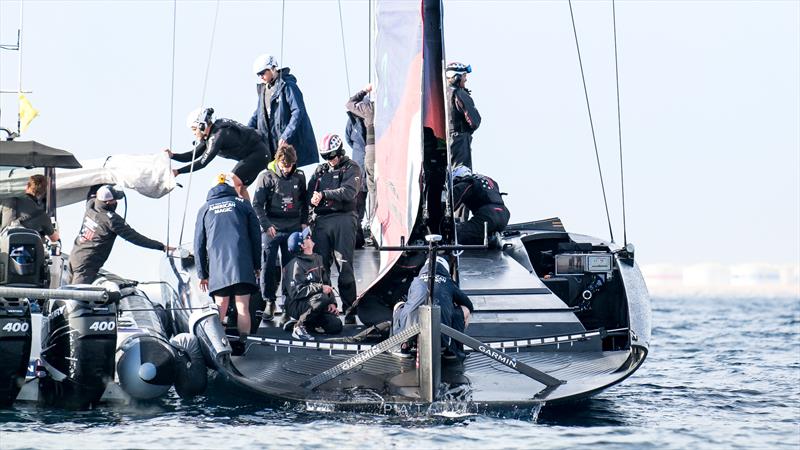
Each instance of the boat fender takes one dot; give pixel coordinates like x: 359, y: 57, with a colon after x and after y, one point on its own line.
x: 191, y: 374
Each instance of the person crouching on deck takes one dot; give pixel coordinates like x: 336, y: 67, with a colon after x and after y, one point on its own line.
x: 454, y: 305
x: 309, y: 295
x: 228, y: 139
x: 227, y: 248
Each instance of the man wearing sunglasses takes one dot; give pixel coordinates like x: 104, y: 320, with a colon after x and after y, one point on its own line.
x: 464, y: 117
x: 281, y: 111
x: 332, y: 192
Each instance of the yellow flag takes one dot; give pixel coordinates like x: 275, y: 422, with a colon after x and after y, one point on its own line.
x: 26, y: 113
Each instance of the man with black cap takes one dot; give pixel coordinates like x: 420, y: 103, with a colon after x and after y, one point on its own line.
x: 309, y: 296
x: 332, y: 192
x: 464, y: 117
x: 101, y: 225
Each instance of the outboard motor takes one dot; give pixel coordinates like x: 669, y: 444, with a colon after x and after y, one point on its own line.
x: 147, y: 366
x: 23, y: 263
x: 15, y: 347
x: 78, y: 343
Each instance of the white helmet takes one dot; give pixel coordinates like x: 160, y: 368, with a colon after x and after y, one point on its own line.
x: 199, y: 115
x: 264, y: 62
x: 461, y: 171
x: 440, y: 260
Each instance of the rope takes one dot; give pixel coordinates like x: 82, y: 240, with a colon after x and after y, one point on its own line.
x: 202, y: 102
x: 619, y: 124
x: 369, y: 41
x: 591, y: 122
x: 283, y: 17
x: 172, y: 107
x: 344, y: 48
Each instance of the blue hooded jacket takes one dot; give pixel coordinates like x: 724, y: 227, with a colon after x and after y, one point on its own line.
x: 227, y: 240
x: 287, y: 120
x: 355, y: 133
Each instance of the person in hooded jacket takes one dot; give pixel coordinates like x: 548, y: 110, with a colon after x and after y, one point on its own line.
x: 281, y: 111
x: 101, y: 226
x: 464, y: 117
x: 281, y: 205
x: 360, y: 135
x: 227, y: 248
x: 455, y: 306
x: 481, y: 195
x: 309, y: 295
x: 332, y: 192
x: 228, y: 139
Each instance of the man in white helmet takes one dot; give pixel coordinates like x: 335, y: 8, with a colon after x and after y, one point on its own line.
x: 281, y: 111
x: 228, y: 139
x: 464, y: 117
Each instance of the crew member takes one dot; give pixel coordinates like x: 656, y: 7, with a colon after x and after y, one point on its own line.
x: 281, y: 205
x: 28, y: 211
x: 464, y: 118
x: 481, y: 195
x: 101, y: 225
x: 454, y: 304
x: 281, y: 112
x: 227, y: 248
x: 228, y: 139
x: 360, y: 135
x: 332, y: 189
x: 309, y: 295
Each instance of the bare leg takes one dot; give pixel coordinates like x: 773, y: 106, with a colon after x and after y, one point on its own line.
x: 243, y: 314
x: 241, y: 189
x: 223, y: 307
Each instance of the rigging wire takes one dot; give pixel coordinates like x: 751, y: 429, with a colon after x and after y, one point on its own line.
x: 344, y: 49
x: 369, y: 41
x: 591, y: 122
x: 283, y: 17
x: 619, y: 124
x: 202, y: 101
x: 172, y: 107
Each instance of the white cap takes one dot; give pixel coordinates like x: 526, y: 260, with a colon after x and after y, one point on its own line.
x: 107, y: 193
x: 264, y: 62
x: 442, y: 262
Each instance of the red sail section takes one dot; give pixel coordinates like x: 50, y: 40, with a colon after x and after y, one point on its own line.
x: 398, y: 122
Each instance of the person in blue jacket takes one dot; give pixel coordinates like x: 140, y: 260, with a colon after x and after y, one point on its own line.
x: 227, y: 248
x: 281, y: 112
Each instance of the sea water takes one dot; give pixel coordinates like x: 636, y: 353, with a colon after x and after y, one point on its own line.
x: 722, y: 373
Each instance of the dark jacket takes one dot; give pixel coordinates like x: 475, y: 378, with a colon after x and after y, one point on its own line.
x: 227, y: 240
x: 28, y: 212
x: 475, y: 191
x: 228, y: 139
x: 287, y: 118
x: 100, y: 228
x: 464, y: 117
x: 281, y: 201
x: 445, y: 294
x: 355, y: 133
x: 304, y: 277
x: 339, y: 186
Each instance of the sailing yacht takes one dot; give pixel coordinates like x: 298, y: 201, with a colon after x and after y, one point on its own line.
x: 558, y: 316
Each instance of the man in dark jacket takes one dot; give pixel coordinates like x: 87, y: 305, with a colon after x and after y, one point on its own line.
x: 228, y: 139
x: 100, y: 228
x: 309, y: 295
x: 28, y: 211
x: 227, y: 248
x: 454, y: 304
x: 360, y: 135
x: 281, y: 205
x: 481, y: 195
x: 464, y: 117
x: 332, y: 189
x: 281, y: 112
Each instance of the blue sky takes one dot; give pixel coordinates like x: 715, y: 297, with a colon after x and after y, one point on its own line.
x: 710, y: 95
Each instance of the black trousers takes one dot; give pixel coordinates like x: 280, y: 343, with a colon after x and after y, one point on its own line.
x: 335, y: 239
x: 312, y: 312
x: 495, y: 216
